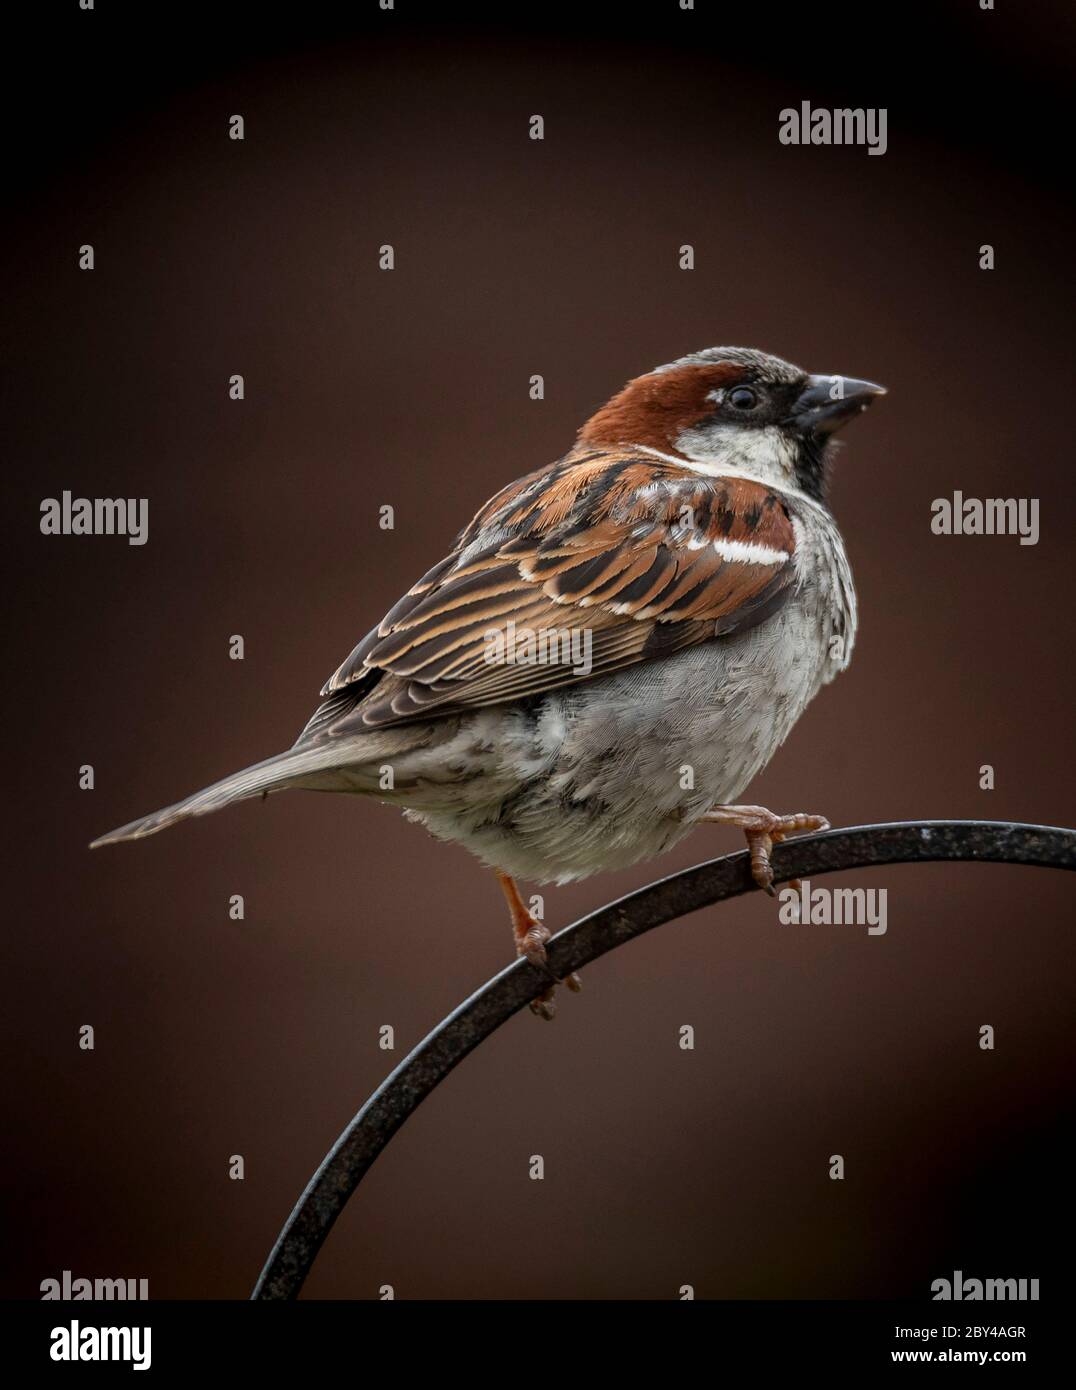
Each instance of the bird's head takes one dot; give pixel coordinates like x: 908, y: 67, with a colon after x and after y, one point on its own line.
x: 735, y: 409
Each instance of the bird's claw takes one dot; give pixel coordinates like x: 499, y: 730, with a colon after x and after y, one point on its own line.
x: 769, y: 830
x: 763, y: 830
x: 543, y: 1006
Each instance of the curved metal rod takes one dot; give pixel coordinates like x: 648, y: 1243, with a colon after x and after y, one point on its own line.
x: 476, y: 1018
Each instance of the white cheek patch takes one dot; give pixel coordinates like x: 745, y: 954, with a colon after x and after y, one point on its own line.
x: 766, y: 452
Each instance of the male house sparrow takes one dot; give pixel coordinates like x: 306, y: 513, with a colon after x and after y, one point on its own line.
x: 613, y: 648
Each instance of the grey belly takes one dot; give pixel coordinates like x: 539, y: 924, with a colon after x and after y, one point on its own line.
x: 603, y: 774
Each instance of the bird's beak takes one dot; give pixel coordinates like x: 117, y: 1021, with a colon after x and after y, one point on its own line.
x: 828, y: 402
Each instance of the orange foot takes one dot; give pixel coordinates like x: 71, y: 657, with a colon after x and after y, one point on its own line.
x: 764, y: 830
x: 530, y: 937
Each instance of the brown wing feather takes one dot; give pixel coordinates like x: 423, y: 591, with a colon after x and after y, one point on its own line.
x: 638, y: 557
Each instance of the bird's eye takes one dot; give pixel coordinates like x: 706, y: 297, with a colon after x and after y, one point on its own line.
x: 743, y: 398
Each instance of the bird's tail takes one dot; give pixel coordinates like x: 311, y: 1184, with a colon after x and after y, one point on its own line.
x: 296, y: 767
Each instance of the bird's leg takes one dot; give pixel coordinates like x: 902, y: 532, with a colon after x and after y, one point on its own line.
x: 530, y: 937
x: 530, y: 934
x: 763, y: 830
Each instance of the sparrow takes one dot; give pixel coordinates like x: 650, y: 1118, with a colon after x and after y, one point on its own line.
x: 612, y: 649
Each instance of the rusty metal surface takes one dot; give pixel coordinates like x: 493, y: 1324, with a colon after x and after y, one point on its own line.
x: 576, y: 946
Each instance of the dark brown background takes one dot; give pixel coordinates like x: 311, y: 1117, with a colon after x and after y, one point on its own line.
x: 410, y: 388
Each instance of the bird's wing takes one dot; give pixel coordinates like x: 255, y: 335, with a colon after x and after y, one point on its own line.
x: 598, y: 562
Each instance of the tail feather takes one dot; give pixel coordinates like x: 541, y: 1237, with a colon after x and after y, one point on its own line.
x: 295, y: 767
